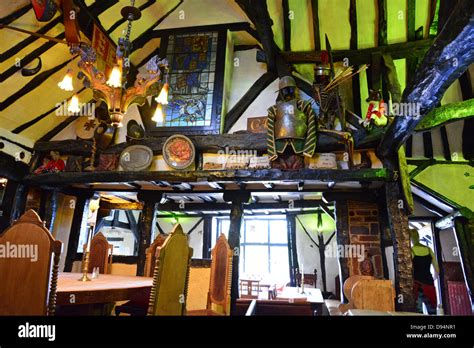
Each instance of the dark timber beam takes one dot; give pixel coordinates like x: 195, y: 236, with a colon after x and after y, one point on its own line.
x: 145, y: 226
x: 203, y: 143
x: 257, y: 11
x: 292, y: 250
x: 81, y: 208
x: 362, y: 56
x: 12, y: 169
x: 398, y: 222
x: 316, y: 35
x: 207, y: 237
x: 445, y: 61
x: 248, y: 98
x: 221, y: 176
x: 353, y: 46
x: 236, y: 218
x: 286, y: 25
x: 343, y: 239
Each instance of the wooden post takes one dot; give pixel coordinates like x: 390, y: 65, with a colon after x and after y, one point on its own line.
x: 342, y: 237
x: 463, y: 231
x: 236, y: 215
x: 6, y: 205
x: 207, y: 237
x: 19, y: 202
x: 81, y: 208
x: 48, y: 208
x: 292, y: 251
x: 145, y: 226
x: 439, y: 257
x: 398, y: 222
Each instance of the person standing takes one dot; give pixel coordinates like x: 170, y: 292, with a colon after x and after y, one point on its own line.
x: 423, y: 257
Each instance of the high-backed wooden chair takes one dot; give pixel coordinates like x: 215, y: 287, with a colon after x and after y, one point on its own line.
x: 150, y: 252
x: 28, y: 278
x: 100, y: 254
x: 171, y: 274
x: 139, y: 306
x: 367, y: 292
x: 310, y: 279
x: 249, y: 288
x: 218, y: 297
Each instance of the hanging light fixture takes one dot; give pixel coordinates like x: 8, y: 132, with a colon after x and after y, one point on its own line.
x: 66, y: 83
x: 114, y: 91
x: 163, y: 96
x: 115, y: 79
x: 158, y: 117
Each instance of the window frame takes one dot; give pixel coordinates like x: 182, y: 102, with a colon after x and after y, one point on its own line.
x: 243, y: 232
x: 217, y: 99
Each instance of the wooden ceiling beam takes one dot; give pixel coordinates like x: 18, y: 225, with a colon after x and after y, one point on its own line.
x: 444, y: 62
x: 257, y: 12
x: 361, y: 56
x: 248, y: 98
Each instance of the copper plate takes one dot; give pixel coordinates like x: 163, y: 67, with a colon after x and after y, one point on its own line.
x: 179, y: 152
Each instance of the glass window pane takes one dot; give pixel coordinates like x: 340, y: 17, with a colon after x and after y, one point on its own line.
x: 256, y: 231
x: 279, y: 267
x: 123, y: 240
x: 256, y: 261
x: 278, y: 231
x: 225, y: 225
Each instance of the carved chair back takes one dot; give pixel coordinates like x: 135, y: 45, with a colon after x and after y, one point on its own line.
x: 221, y: 277
x: 28, y: 269
x: 171, y: 275
x: 150, y: 260
x: 100, y: 254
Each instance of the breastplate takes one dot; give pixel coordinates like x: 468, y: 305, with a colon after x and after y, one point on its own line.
x: 290, y: 123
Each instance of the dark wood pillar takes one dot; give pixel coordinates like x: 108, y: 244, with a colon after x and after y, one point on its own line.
x: 439, y: 257
x: 145, y: 226
x: 343, y: 239
x: 19, y: 202
x: 6, y: 205
x: 81, y: 208
x: 236, y: 216
x: 464, y: 236
x: 399, y: 231
x: 48, y: 208
x: 292, y: 251
x: 207, y: 237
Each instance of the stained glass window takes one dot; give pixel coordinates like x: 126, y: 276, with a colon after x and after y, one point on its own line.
x: 192, y: 59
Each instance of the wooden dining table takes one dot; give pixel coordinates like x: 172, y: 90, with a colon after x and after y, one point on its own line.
x: 77, y: 297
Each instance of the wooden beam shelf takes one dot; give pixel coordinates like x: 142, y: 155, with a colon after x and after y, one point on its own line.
x: 204, y: 143
x: 232, y: 176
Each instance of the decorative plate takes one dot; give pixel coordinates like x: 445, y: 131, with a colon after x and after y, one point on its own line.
x: 179, y: 152
x: 85, y: 127
x: 136, y: 158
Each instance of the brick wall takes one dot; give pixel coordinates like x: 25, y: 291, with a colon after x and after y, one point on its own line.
x: 364, y: 229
